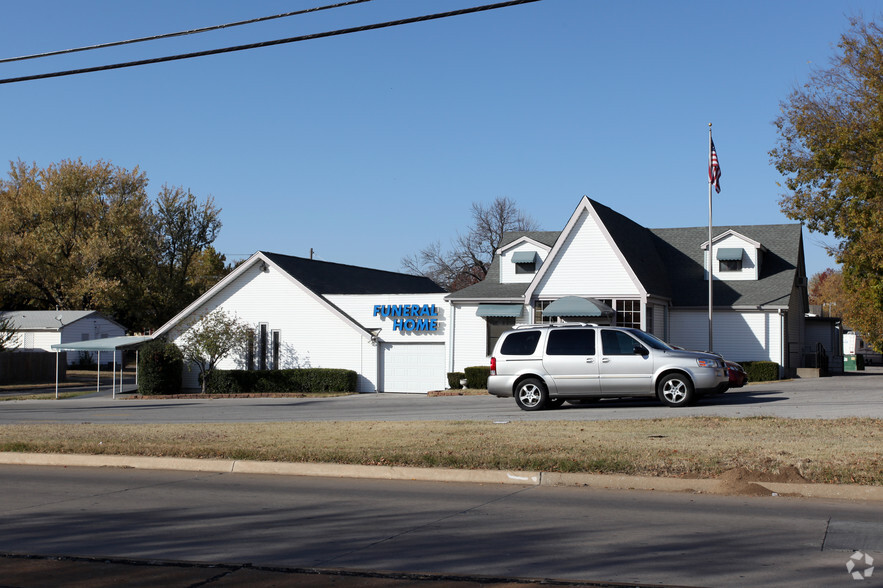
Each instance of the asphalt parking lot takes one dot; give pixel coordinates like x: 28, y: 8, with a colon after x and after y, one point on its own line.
x: 854, y: 394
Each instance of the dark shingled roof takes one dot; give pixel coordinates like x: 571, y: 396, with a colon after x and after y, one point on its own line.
x: 684, y: 262
x: 324, y: 277
x: 638, y: 246
x: 490, y: 287
x: 670, y: 263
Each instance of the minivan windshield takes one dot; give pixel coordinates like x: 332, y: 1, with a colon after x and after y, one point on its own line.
x: 650, y: 341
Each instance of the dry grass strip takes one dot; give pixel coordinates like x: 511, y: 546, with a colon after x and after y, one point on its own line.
x: 821, y: 451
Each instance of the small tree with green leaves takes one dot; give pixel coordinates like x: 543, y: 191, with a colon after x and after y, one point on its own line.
x: 212, y: 338
x: 7, y: 334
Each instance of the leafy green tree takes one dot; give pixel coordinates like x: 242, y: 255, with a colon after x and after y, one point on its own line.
x: 210, y: 339
x: 470, y: 256
x: 830, y: 150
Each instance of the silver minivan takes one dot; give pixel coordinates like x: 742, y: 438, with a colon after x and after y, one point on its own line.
x: 546, y: 365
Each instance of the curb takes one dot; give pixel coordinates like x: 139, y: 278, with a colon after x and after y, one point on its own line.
x: 334, y: 470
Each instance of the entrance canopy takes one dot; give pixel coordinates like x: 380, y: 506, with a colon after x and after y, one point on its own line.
x: 109, y: 344
x: 577, y: 306
x: 113, y: 344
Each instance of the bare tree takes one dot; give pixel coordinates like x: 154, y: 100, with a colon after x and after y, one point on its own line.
x: 470, y: 256
x: 8, y: 334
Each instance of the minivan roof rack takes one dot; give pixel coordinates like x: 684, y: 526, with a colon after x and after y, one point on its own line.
x: 554, y: 325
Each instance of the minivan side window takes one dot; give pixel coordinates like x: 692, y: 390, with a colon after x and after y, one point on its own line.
x: 617, y: 343
x: 523, y: 343
x: 571, y: 342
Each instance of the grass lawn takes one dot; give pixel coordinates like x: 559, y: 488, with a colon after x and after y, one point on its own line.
x: 823, y: 451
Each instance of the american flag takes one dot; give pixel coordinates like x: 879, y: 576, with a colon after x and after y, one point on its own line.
x: 714, y: 170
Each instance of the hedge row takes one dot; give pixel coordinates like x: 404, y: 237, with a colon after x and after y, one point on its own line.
x: 761, y: 371
x: 476, y: 377
x: 304, y: 380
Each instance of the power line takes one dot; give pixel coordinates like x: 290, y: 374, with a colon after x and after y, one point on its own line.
x: 322, y: 35
x: 180, y: 33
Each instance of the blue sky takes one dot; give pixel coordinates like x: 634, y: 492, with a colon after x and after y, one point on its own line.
x: 369, y: 146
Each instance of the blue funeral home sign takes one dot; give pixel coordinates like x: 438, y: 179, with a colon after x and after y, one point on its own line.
x: 409, y: 317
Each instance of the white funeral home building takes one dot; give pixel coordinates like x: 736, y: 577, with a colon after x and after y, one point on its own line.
x: 388, y: 327
x: 402, y: 333
x: 604, y: 268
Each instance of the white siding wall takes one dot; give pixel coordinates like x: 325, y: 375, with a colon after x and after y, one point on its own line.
x: 750, y: 260
x: 311, y: 334
x: 470, y: 338
x: 796, y: 324
x: 658, y: 327
x: 738, y: 336
x: 93, y: 329
x: 587, y: 262
x: 507, y: 268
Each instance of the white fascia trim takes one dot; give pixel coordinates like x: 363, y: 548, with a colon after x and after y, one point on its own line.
x: 522, y: 240
x: 174, y: 321
x: 258, y: 256
x: 584, y: 205
x: 732, y: 233
x: 324, y: 302
x: 487, y: 301
x: 740, y: 308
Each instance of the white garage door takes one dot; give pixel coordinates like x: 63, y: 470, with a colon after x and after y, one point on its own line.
x: 413, y: 367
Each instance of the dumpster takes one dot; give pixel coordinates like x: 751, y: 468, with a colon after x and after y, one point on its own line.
x: 853, y: 362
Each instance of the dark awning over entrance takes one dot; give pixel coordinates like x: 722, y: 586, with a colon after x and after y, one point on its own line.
x: 507, y: 310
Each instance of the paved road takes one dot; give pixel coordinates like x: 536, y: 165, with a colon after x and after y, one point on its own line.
x: 444, y: 528
x: 853, y: 395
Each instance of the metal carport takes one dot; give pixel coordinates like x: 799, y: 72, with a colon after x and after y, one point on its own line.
x: 110, y: 344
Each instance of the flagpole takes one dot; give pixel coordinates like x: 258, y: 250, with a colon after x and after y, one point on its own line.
x: 710, y: 260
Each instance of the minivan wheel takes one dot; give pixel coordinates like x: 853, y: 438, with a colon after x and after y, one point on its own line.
x: 676, y: 390
x: 531, y: 394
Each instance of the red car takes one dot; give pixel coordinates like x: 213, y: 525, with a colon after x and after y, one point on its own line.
x: 736, y: 372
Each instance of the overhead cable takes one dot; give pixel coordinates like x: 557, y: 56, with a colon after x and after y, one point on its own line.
x: 180, y: 33
x: 322, y: 35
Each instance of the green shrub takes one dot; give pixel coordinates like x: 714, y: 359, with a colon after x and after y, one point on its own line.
x: 761, y: 371
x: 160, y: 367
x: 476, y: 377
x: 306, y: 380
x: 454, y: 379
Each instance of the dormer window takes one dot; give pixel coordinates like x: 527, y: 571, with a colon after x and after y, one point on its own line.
x: 730, y: 259
x: 525, y: 262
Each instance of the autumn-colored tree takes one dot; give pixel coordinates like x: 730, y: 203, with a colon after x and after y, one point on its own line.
x: 86, y: 236
x: 64, y: 227
x: 829, y: 150
x: 826, y: 290
x: 468, y: 260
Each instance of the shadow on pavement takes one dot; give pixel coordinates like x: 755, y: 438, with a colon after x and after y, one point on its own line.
x: 27, y: 571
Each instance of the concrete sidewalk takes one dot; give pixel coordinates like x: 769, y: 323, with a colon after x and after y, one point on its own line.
x: 756, y: 487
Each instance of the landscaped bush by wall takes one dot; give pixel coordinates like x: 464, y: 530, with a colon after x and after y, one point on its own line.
x: 761, y: 371
x: 304, y: 380
x: 454, y: 379
x: 160, y: 367
x: 476, y: 377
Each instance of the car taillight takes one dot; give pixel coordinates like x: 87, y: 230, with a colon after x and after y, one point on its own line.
x: 493, y: 366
